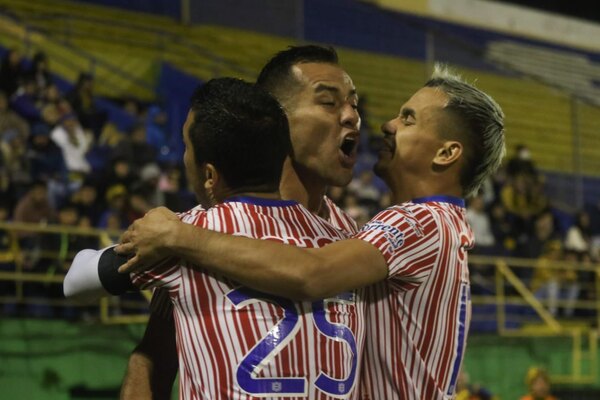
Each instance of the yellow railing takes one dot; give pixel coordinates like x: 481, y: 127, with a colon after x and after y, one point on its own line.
x: 25, y: 266
x: 505, y: 289
x: 583, y: 332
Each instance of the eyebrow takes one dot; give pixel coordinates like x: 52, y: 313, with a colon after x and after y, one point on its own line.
x: 408, y: 112
x: 322, y: 87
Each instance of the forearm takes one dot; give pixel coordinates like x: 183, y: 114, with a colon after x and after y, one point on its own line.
x: 283, y: 270
x: 248, y: 261
x: 136, y: 384
x: 153, y: 364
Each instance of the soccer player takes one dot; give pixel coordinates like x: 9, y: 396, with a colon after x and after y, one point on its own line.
x: 446, y: 140
x: 237, y: 343
x: 320, y: 101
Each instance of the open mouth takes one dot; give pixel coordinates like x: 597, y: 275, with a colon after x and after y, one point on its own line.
x: 349, y: 145
x: 348, y: 151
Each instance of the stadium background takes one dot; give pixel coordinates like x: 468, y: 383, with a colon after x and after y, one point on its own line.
x: 145, y: 59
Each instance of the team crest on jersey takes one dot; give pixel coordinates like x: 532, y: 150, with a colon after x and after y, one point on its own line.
x: 392, y: 234
x: 276, y: 387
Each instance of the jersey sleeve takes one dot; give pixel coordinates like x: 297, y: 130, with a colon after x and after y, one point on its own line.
x: 164, y: 274
x: 167, y: 273
x: 408, y: 239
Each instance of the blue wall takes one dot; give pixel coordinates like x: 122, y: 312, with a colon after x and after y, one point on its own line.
x: 170, y: 8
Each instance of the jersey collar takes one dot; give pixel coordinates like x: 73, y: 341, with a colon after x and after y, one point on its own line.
x: 457, y: 201
x: 259, y: 201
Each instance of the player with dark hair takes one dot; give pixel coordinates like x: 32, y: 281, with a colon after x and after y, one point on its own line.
x: 233, y: 342
x: 446, y: 140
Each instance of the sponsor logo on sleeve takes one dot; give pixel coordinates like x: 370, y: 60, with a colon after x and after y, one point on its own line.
x: 392, y: 234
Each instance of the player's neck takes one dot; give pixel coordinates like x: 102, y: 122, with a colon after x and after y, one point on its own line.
x: 249, y: 192
x: 420, y: 188
x: 304, y: 189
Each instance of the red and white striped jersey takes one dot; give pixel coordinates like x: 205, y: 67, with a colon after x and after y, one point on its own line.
x: 236, y: 343
x: 417, y: 320
x: 335, y: 216
x: 340, y: 218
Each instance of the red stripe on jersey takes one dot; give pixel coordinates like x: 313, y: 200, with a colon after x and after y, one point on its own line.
x: 339, y: 218
x: 414, y: 318
x: 218, y: 327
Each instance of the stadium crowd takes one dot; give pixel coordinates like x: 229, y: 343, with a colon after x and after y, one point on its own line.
x: 63, y: 161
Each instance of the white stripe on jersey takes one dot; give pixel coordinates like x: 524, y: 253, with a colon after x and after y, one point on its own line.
x: 219, y: 323
x: 335, y: 216
x: 417, y: 320
x: 340, y: 218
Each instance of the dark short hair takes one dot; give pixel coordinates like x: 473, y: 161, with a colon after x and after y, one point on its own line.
x: 276, y: 76
x: 241, y: 130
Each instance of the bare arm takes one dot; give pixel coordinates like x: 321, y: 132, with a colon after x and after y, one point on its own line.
x: 267, y: 266
x: 153, y: 364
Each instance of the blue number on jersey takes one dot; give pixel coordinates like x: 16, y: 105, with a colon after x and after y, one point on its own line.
x: 335, y: 331
x: 465, y: 294
x: 260, y: 355
x: 279, y: 336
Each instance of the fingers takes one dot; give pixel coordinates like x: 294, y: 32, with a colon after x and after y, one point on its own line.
x: 125, y: 248
x: 125, y: 237
x: 130, y: 265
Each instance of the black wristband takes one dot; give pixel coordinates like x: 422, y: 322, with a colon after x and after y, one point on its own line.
x: 114, y: 282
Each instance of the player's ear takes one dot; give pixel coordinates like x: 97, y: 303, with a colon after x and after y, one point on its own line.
x: 448, y: 153
x: 212, y: 176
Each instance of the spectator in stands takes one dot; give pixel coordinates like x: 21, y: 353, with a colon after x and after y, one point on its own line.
x: 58, y: 250
x: 521, y: 163
x: 11, y: 121
x: 135, y: 148
x: 13, y: 147
x: 155, y: 132
x: 551, y: 284
x: 115, y: 216
x: 544, y: 231
x: 83, y: 101
x: 9, y: 250
x: 579, y: 235
x: 132, y: 107
x: 119, y: 173
x: 505, y: 237
x: 533, y: 246
x: 40, y: 71
x: 25, y: 101
x: 524, y: 199
x: 45, y: 157
x: 53, y: 106
x: 74, y: 143
x: 593, y: 211
x: 86, y: 201
x: 481, y: 226
x: 146, y: 194
x: 35, y: 207
x: 63, y: 246
x: 5, y: 193
x: 466, y: 391
x: 11, y: 72
x: 569, y: 282
x: 538, y: 384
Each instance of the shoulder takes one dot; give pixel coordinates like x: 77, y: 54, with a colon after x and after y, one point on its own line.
x: 192, y: 216
x: 339, y: 218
